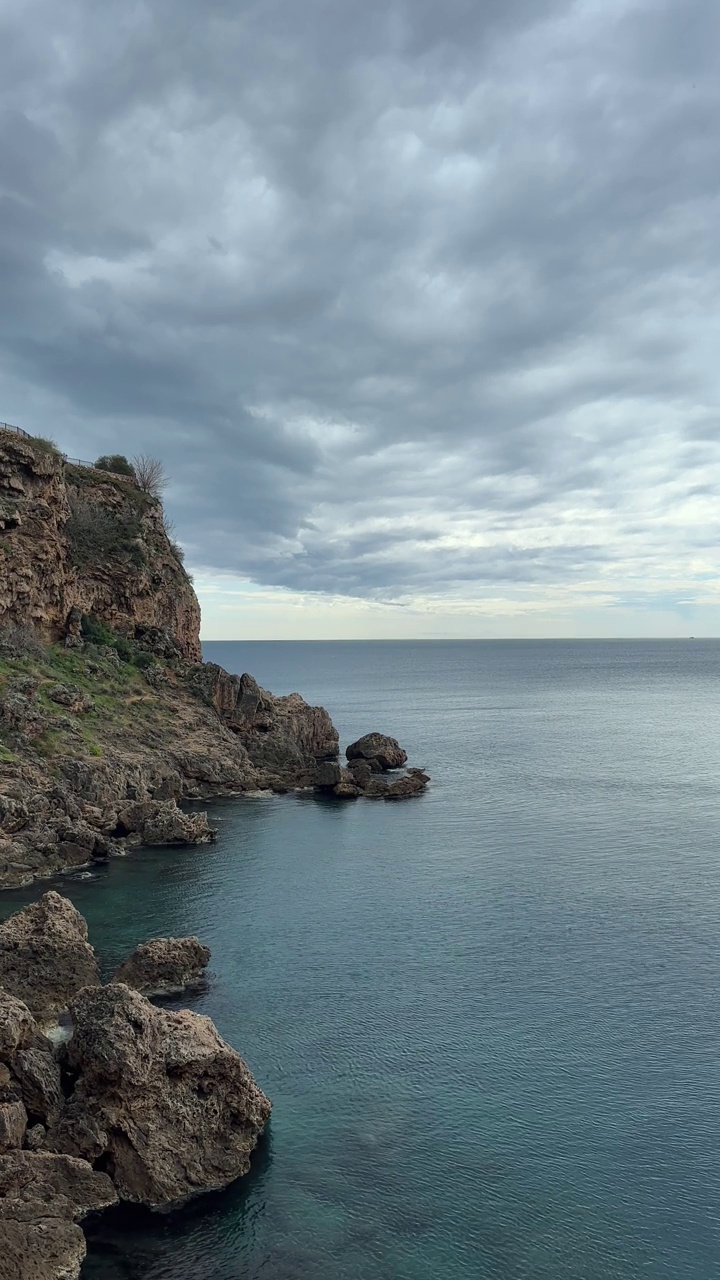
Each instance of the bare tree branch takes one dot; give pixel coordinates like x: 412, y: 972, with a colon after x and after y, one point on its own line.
x: 150, y: 474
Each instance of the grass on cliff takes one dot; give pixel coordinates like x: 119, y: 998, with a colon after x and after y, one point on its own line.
x: 121, y: 701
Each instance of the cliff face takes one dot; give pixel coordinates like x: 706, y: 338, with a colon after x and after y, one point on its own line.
x: 72, y: 538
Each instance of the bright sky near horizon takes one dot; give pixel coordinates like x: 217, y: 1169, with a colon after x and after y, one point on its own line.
x: 416, y: 301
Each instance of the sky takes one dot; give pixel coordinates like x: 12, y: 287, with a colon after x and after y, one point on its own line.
x: 417, y: 301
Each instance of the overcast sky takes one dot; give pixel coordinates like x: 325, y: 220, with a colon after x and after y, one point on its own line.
x: 417, y: 300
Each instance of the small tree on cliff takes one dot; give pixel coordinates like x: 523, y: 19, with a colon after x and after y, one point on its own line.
x: 150, y: 474
x: 117, y: 463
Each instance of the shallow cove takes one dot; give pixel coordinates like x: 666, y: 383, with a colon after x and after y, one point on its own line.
x: 488, y: 1018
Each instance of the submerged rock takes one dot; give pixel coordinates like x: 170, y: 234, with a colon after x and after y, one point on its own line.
x: 377, y: 747
x: 170, y: 1108
x: 164, y: 966
x: 45, y: 957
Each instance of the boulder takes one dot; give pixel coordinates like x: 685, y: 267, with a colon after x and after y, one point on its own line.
x: 42, y: 1196
x: 172, y: 1110
x: 347, y: 787
x: 164, y: 966
x: 328, y: 774
x: 45, y: 957
x: 70, y: 696
x: 161, y: 822
x: 377, y: 746
x: 413, y: 783
x: 361, y: 772
x: 17, y: 1026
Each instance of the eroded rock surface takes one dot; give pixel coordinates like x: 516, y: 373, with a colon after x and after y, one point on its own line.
x: 45, y: 957
x: 154, y: 822
x: 164, y: 966
x: 172, y: 1110
x: 42, y: 1196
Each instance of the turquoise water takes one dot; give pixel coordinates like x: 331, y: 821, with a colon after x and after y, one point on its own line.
x: 489, y: 1018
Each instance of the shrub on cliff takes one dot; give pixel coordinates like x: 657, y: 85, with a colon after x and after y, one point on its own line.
x: 95, y: 534
x: 117, y: 463
x: 149, y: 474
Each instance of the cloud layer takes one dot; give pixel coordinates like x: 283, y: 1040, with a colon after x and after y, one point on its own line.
x: 417, y: 301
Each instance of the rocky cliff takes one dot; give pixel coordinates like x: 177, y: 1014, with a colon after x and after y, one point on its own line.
x: 74, y: 540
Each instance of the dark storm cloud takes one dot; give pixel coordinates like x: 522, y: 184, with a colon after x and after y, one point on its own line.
x: 408, y: 296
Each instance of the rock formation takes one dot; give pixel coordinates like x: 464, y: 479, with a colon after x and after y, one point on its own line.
x: 165, y: 1104
x: 42, y: 1197
x: 45, y: 959
x: 140, y: 1103
x: 369, y: 758
x: 381, y: 753
x: 75, y: 538
x: 164, y: 966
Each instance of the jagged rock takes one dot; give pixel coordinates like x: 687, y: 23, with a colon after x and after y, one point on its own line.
x: 283, y: 735
x: 17, y: 1026
x: 413, y: 783
x: 163, y: 966
x: 328, y: 774
x: 42, y: 1196
x: 13, y: 1123
x: 45, y: 957
x: 34, y: 1245
x: 347, y: 787
x: 361, y: 772
x: 38, y: 1076
x: 163, y: 823
x: 35, y: 1137
x: 377, y: 746
x: 70, y: 696
x: 172, y: 1109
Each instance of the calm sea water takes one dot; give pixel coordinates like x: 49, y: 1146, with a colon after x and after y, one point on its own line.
x: 489, y: 1019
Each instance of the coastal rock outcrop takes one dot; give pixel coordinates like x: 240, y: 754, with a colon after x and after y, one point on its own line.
x: 161, y: 822
x: 280, y: 734
x: 167, y: 1105
x: 42, y: 1197
x: 164, y: 966
x: 380, y: 751
x: 84, y: 541
x: 45, y: 957
x: 368, y: 760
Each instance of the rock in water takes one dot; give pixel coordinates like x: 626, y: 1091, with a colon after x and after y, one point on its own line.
x: 172, y: 1110
x: 42, y: 1196
x: 45, y: 957
x: 377, y: 746
x: 164, y: 966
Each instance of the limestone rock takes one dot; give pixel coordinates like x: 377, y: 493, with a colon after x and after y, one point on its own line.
x: 328, y: 774
x: 70, y: 696
x: 42, y: 1196
x: 17, y: 1026
x: 45, y: 957
x: 35, y: 1137
x: 164, y: 966
x: 163, y: 823
x: 173, y: 1110
x: 35, y: 1247
x: 377, y: 746
x: 13, y: 1123
x: 282, y: 735
x: 38, y: 1076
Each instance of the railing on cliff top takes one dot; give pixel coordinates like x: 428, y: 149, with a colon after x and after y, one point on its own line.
x: 27, y: 435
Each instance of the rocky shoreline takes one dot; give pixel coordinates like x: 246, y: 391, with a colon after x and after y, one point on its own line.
x: 109, y: 722
x: 105, y: 1097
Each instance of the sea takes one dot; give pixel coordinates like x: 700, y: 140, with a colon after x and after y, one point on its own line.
x: 489, y: 1017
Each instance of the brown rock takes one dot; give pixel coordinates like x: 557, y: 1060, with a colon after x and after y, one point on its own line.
x: 174, y: 1109
x: 163, y: 823
x: 328, y: 774
x: 377, y: 746
x: 13, y: 1123
x: 35, y: 1137
x: 38, y: 1075
x: 35, y: 1247
x: 348, y: 787
x: 17, y: 1026
x: 45, y: 957
x: 68, y: 1187
x: 164, y: 966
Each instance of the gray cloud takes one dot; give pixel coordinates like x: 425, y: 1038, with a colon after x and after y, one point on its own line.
x: 413, y: 299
